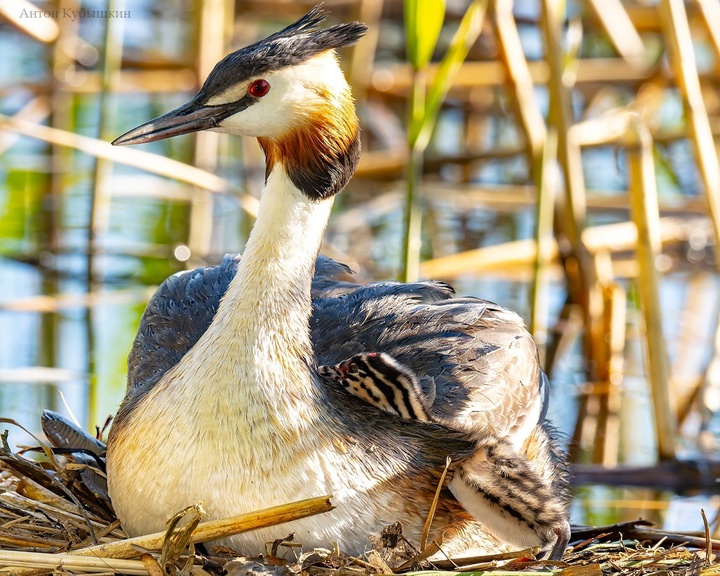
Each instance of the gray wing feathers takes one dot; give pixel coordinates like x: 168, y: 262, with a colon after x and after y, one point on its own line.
x: 476, y: 357
x: 176, y: 316
x: 479, y: 356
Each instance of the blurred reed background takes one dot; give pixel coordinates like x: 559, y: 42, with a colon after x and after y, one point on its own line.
x: 587, y: 130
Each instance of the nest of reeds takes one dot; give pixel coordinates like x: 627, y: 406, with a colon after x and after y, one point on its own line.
x: 52, y: 523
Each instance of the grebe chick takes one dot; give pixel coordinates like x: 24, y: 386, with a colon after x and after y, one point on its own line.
x: 383, y: 382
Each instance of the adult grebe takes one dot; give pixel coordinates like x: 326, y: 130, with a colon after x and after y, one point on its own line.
x: 225, y: 404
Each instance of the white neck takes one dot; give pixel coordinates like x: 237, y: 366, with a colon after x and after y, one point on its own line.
x: 257, y: 351
x: 272, y: 284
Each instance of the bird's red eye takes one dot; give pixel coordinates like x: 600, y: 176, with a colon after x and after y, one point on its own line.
x: 259, y: 88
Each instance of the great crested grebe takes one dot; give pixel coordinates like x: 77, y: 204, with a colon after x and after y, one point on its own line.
x: 225, y: 403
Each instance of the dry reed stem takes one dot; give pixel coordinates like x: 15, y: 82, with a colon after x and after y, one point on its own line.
x: 388, y: 164
x: 643, y: 196
x: 37, y: 110
x: 619, y: 237
x: 598, y: 413
x: 362, y: 54
x: 215, y: 529
x: 544, y: 239
x: 25, y: 563
x: 607, y: 129
x: 395, y: 79
x: 519, y: 78
x: 689, y: 363
x: 60, y: 302
x: 39, y: 374
x: 710, y: 11
x: 480, y: 572
x: 151, y: 81
x: 153, y: 163
x: 46, y: 499
x: 682, y: 59
x: 542, y: 155
x: 43, y: 29
x: 619, y: 28
x: 708, y: 539
x: 433, y: 506
x: 683, y: 62
x: 608, y: 436
x: 512, y: 197
x: 582, y: 283
x: 179, y: 537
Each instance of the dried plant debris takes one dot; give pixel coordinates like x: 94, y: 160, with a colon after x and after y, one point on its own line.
x: 49, y: 517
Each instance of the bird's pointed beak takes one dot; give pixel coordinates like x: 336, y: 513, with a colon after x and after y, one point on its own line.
x: 192, y: 116
x: 344, y: 368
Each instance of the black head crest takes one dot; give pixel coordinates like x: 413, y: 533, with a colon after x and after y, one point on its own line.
x: 290, y: 46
